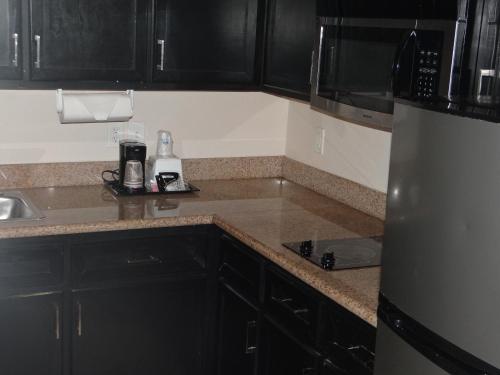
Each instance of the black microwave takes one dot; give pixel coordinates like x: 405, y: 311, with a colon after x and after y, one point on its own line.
x: 367, y: 53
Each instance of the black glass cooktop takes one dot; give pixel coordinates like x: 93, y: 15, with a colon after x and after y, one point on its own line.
x: 342, y: 253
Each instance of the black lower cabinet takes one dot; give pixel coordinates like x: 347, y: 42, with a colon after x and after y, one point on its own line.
x: 173, y: 301
x: 31, y: 335
x: 237, y: 344
x: 152, y: 329
x: 282, y: 354
x: 298, y: 330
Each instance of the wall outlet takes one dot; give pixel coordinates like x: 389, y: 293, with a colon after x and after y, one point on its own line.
x: 114, y: 133
x: 319, y: 140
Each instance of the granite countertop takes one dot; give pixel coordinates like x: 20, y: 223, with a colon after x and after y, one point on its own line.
x: 262, y: 213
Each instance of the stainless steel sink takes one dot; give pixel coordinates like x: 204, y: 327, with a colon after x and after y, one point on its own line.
x: 14, y: 206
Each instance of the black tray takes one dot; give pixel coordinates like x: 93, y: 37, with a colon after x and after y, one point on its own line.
x: 122, y: 191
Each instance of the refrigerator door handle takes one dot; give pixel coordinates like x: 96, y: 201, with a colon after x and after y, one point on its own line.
x: 435, y: 348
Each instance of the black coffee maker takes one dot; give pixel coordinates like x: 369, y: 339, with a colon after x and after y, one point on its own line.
x: 131, y: 150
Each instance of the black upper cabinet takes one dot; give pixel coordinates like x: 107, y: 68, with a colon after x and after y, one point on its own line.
x: 10, y: 39
x: 289, y: 46
x: 92, y: 40
x: 31, y: 335
x: 205, y: 42
x: 158, y: 44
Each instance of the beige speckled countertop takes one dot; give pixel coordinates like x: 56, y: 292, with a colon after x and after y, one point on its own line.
x: 262, y: 213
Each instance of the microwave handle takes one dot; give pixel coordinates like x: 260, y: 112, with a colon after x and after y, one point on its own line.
x: 316, y: 57
x: 407, y: 45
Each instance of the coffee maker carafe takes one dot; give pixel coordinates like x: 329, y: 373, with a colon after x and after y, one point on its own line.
x: 131, y: 150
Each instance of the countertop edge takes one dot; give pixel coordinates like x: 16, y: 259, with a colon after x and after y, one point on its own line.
x: 354, y: 306
x: 104, y: 226
x: 344, y: 299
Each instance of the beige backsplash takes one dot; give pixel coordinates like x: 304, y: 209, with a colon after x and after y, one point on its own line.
x: 351, y: 193
x: 89, y: 173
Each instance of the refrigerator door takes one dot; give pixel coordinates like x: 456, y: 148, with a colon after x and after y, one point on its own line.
x: 441, y: 256
x: 405, y: 347
x: 396, y: 357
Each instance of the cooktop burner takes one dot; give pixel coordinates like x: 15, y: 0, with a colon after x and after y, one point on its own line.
x: 340, y: 254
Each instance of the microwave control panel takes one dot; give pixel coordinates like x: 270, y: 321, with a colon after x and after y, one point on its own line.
x: 427, y: 74
x: 427, y: 66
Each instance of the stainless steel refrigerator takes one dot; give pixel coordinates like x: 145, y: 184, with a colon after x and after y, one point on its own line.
x: 440, y: 290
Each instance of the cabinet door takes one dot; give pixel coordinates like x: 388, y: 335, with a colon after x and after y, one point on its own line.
x: 88, y: 40
x: 237, y: 342
x: 153, y: 329
x: 30, y: 335
x: 205, y: 42
x: 10, y: 39
x: 290, y: 40
x: 284, y: 355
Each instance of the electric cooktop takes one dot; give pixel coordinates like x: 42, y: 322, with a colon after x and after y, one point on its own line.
x: 342, y: 253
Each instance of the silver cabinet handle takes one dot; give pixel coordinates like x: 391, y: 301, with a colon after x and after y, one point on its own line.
x: 79, y: 319
x: 484, y: 95
x: 15, y: 38
x: 161, y: 65
x: 312, y: 68
x: 58, y: 321
x: 151, y: 259
x: 250, y: 348
x: 37, y: 43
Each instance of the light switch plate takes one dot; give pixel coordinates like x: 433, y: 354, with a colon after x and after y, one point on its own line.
x: 114, y: 132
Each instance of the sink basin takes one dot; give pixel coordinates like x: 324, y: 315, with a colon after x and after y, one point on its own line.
x: 14, y: 206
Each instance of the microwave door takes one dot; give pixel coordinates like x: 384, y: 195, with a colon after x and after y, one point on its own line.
x: 403, y: 66
x: 354, y: 69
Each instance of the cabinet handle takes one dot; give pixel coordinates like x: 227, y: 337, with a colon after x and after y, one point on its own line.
x: 308, y: 371
x: 79, y: 319
x: 359, y: 353
x: 311, y: 71
x: 151, y: 259
x: 161, y: 65
x: 249, y: 347
x: 37, y: 44
x: 57, y: 309
x: 286, y: 303
x: 15, y: 38
x: 330, y: 368
x: 482, y: 96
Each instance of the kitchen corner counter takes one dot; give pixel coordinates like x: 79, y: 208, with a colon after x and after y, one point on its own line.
x: 262, y: 213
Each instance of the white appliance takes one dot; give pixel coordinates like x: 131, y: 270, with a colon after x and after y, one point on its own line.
x: 165, y: 162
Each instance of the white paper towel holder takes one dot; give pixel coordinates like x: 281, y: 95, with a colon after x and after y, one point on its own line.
x: 95, y: 107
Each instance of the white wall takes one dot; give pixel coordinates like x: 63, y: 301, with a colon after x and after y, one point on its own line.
x: 354, y: 152
x: 203, y: 124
